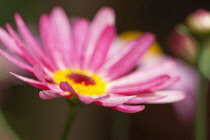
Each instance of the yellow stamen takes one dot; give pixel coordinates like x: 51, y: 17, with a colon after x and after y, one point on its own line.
x: 97, y: 87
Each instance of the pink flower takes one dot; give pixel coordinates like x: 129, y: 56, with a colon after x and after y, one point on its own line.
x: 74, y: 60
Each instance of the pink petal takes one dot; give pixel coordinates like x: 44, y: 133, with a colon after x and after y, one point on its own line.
x: 103, y: 18
x: 61, y: 28
x: 114, y: 100
x: 102, y: 47
x: 129, y: 108
x: 26, y: 55
x: 143, y: 98
x: 171, y: 96
x: 167, y: 84
x: 65, y: 86
x: 145, y: 73
x: 48, y: 94
x: 133, y: 89
x: 127, y: 58
x: 32, y: 82
x: 39, y: 73
x: 30, y: 40
x: 9, y: 42
x: 91, y: 99
x: 48, y: 39
x: 80, y: 34
x: 17, y: 62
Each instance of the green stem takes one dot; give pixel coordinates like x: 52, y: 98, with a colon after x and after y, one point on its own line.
x: 201, y: 107
x: 72, y: 112
x: 200, y: 120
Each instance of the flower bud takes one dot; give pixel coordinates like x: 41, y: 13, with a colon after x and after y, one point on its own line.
x: 183, y: 45
x: 199, y: 21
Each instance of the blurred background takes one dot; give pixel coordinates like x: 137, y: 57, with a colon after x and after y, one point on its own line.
x: 35, y: 119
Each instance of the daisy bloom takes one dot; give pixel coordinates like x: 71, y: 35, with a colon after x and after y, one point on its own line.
x: 79, y: 61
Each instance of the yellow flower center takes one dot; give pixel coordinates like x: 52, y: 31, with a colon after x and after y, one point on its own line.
x: 83, y: 82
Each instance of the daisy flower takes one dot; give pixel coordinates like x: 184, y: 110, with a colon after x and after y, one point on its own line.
x: 79, y: 61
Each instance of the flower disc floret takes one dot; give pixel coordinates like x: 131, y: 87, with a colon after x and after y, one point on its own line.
x: 83, y: 82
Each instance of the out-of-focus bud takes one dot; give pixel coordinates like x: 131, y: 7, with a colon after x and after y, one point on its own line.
x: 199, y: 21
x: 183, y: 45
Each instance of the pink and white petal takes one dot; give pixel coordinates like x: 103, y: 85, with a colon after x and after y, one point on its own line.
x: 86, y: 99
x: 103, y: 18
x: 145, y: 73
x: 102, y: 47
x: 145, y: 86
x: 91, y: 99
x: 48, y: 94
x: 30, y: 40
x: 65, y: 86
x: 80, y: 33
x: 125, y: 60
x: 143, y: 98
x: 32, y: 82
x: 56, y: 88
x: 26, y: 55
x: 39, y: 73
x: 171, y: 96
x: 114, y: 100
x: 9, y: 42
x: 48, y: 39
x: 129, y: 108
x: 17, y: 62
x: 60, y: 25
x: 167, y: 84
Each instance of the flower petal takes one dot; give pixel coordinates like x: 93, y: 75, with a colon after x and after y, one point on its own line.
x: 171, y: 96
x: 114, y: 100
x: 129, y: 108
x: 80, y: 33
x: 65, y: 86
x: 143, y: 98
x: 61, y: 27
x: 145, y: 73
x: 19, y: 63
x: 26, y: 55
x: 127, y: 58
x: 102, y: 46
x: 30, y: 40
x: 32, y: 82
x: 48, y: 40
x: 146, y: 86
x: 8, y: 41
x: 105, y: 17
x: 48, y: 94
x: 39, y: 73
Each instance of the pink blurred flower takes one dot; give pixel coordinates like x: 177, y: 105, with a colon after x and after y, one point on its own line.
x: 199, y: 21
x: 188, y: 83
x: 74, y: 60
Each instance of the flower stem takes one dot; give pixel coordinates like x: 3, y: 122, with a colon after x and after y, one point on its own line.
x: 72, y: 112
x: 201, y: 107
x: 200, y: 120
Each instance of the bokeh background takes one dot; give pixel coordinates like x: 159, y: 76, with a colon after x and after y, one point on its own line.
x: 35, y: 119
